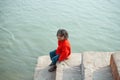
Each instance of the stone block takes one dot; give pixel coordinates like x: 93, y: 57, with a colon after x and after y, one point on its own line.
x: 115, y: 65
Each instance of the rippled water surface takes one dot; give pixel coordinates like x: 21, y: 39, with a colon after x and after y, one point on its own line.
x: 28, y: 30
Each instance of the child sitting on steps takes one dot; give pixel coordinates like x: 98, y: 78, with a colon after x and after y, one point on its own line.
x: 63, y: 50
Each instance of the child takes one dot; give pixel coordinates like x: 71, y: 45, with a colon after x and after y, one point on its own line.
x: 63, y: 50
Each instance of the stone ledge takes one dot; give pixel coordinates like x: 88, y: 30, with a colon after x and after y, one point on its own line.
x: 72, y: 65
x: 115, y: 65
x: 41, y: 70
x: 97, y: 65
x: 69, y: 69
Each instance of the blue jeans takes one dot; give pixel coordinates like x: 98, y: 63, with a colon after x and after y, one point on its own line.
x: 54, y: 57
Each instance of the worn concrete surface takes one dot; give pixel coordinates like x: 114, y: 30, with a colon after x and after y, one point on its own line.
x: 69, y: 69
x: 97, y: 65
x: 41, y: 70
x: 66, y: 70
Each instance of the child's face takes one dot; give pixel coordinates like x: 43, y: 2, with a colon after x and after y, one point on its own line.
x: 59, y: 37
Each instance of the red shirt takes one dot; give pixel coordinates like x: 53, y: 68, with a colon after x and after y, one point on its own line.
x: 63, y: 49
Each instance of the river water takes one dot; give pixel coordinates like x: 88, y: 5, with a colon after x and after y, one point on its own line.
x: 28, y: 30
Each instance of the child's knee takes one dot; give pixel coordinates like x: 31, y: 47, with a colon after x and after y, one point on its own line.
x: 55, y: 58
x: 52, y: 52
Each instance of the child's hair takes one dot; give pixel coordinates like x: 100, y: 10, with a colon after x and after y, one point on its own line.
x: 62, y: 32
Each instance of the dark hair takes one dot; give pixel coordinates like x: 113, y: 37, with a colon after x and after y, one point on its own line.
x: 62, y: 32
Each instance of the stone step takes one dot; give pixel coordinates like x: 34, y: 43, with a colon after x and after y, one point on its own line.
x: 66, y: 70
x: 115, y: 65
x: 69, y: 69
x: 97, y: 65
x: 41, y: 70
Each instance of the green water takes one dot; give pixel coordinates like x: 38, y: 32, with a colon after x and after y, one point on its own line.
x: 28, y: 30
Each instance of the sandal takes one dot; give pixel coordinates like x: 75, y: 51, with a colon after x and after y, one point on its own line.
x: 51, y: 64
x: 53, y: 68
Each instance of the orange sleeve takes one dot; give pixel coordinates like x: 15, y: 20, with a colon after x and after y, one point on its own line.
x: 64, y: 54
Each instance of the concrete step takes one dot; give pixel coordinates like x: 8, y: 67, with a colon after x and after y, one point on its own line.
x: 41, y: 70
x: 97, y: 65
x: 66, y: 70
x: 69, y: 69
x: 89, y: 66
x: 115, y: 65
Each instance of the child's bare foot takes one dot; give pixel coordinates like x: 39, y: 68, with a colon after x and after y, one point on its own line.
x: 53, y: 68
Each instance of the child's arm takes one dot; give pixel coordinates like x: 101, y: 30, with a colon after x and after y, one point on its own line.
x: 64, y: 54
